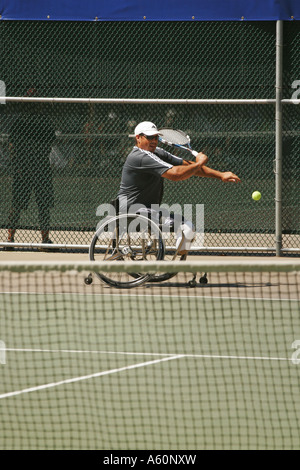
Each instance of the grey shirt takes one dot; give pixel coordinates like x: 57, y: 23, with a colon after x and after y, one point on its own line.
x: 142, y: 181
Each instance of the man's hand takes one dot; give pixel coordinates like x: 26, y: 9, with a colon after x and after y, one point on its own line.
x: 227, y: 176
x: 201, y: 158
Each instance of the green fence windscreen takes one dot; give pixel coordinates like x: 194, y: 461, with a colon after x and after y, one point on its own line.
x: 78, y: 158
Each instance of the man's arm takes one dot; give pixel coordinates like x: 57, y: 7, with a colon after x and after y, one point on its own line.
x: 206, y: 172
x: 225, y: 176
x: 186, y: 170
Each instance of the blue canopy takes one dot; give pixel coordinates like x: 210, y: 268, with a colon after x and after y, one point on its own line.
x: 154, y: 10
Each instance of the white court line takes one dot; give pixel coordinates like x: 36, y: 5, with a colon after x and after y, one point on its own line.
x: 86, y: 351
x: 165, y: 355
x: 134, y: 366
x: 87, y: 377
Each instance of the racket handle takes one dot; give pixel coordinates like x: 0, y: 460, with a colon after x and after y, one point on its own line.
x: 194, y: 152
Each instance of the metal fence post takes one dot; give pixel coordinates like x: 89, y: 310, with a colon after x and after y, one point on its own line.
x: 278, y: 143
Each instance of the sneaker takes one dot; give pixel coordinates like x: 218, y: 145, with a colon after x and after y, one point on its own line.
x: 47, y: 249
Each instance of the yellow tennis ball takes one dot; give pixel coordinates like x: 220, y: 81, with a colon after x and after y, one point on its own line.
x: 256, y: 196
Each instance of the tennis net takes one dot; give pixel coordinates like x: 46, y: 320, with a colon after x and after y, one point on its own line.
x: 160, y: 366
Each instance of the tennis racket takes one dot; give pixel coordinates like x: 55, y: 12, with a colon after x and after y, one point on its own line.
x: 176, y: 138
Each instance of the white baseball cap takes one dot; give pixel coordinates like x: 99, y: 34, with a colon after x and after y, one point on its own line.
x: 147, y: 128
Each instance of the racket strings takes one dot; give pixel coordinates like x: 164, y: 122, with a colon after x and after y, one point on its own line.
x: 174, y: 136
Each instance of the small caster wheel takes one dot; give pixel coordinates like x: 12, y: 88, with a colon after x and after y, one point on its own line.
x: 203, y: 279
x: 192, y: 283
x: 88, y: 280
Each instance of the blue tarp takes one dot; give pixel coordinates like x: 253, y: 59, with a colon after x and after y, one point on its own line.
x: 150, y: 10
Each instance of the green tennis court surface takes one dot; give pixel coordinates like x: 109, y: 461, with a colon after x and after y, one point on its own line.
x: 155, y: 368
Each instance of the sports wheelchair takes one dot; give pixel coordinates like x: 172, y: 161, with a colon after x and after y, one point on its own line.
x: 134, y: 237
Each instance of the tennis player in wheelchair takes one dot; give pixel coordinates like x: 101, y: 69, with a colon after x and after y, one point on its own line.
x: 134, y: 232
x: 143, y: 176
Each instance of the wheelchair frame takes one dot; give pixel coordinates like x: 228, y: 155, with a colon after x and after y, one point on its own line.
x: 131, y: 237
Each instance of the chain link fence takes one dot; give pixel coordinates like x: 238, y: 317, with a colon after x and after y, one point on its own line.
x: 60, y: 161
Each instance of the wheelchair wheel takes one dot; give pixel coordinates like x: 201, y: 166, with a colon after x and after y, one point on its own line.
x: 170, y: 255
x: 166, y: 276
x: 125, y: 237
